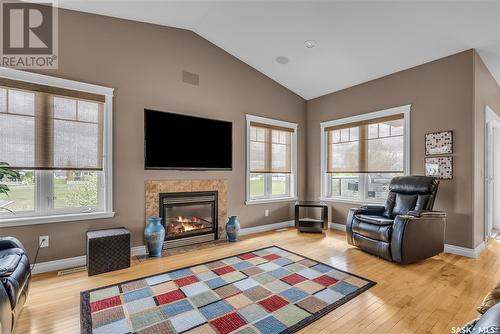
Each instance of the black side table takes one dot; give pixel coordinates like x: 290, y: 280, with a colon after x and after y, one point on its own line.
x: 311, y: 224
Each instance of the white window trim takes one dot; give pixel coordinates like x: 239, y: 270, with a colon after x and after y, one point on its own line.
x: 107, y: 179
x: 293, y: 176
x: 405, y: 109
x: 33, y: 220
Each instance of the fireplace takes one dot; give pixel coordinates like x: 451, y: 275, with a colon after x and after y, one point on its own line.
x: 189, y: 217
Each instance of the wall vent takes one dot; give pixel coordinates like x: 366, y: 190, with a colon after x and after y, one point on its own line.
x: 71, y: 271
x: 190, y: 78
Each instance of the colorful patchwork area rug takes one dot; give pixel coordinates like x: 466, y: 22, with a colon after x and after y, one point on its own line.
x: 270, y: 290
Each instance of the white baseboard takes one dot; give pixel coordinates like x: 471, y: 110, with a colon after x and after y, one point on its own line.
x: 336, y: 226
x: 71, y: 262
x: 138, y: 250
x: 268, y: 227
x: 463, y: 251
x: 452, y: 249
x: 77, y: 261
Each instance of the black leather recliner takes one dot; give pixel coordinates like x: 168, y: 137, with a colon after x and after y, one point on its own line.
x: 15, y: 275
x: 405, y: 229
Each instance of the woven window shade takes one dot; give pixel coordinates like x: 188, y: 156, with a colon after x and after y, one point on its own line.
x: 50, y: 128
x: 372, y: 146
x: 270, y: 149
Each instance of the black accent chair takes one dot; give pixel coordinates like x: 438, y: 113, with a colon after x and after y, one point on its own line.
x: 405, y: 229
x: 15, y: 274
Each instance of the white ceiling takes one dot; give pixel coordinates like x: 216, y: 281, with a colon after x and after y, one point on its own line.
x: 357, y: 41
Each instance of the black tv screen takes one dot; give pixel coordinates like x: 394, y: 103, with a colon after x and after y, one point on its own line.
x: 174, y: 141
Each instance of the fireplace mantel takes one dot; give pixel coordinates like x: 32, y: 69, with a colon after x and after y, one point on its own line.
x: 154, y: 188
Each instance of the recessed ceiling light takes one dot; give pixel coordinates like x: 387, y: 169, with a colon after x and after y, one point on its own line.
x: 310, y: 43
x: 282, y: 60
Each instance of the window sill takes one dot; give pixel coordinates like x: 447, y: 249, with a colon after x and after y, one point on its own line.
x: 34, y: 220
x: 350, y: 201
x: 271, y: 200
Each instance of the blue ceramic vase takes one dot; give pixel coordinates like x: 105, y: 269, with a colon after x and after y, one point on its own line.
x: 154, y: 235
x: 232, y: 229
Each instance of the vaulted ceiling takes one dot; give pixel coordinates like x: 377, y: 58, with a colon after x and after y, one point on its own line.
x: 356, y: 41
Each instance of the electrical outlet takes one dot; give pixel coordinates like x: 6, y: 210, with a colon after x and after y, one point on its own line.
x: 43, y: 241
x: 266, y: 213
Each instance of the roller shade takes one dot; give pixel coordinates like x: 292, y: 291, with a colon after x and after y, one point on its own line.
x: 371, y: 146
x: 270, y: 149
x: 45, y: 127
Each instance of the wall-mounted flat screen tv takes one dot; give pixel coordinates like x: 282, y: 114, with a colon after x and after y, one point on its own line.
x: 174, y: 141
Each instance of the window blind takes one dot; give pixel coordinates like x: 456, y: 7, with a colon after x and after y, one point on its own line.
x: 50, y: 128
x: 270, y: 148
x: 371, y: 146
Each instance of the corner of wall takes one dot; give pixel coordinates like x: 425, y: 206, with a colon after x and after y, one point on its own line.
x: 475, y: 163
x: 485, y: 92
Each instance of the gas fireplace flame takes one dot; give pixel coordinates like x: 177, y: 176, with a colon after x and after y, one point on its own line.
x: 189, y: 223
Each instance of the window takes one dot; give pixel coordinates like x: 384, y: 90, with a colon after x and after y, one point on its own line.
x: 360, y: 155
x: 271, y: 160
x: 58, y: 138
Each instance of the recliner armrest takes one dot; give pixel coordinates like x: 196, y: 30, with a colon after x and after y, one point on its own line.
x: 5, y: 312
x: 372, y: 207
x: 363, y: 210
x: 427, y: 213
x: 10, y: 242
x: 369, y: 209
x: 417, y: 238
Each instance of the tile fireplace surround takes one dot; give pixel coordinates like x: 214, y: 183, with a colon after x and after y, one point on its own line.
x: 154, y: 188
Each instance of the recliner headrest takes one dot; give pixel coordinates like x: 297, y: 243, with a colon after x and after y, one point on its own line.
x: 413, y: 184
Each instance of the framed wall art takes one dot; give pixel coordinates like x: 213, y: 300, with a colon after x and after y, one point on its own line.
x: 439, y: 143
x: 439, y: 167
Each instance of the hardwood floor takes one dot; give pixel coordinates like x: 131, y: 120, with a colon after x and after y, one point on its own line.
x: 429, y: 297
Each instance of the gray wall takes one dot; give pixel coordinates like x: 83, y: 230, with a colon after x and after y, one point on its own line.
x: 441, y: 96
x: 486, y: 93
x: 144, y: 64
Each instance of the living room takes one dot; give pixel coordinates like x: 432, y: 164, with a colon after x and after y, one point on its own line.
x: 249, y: 167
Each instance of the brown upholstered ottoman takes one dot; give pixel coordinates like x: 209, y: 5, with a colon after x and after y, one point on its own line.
x: 107, y: 250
